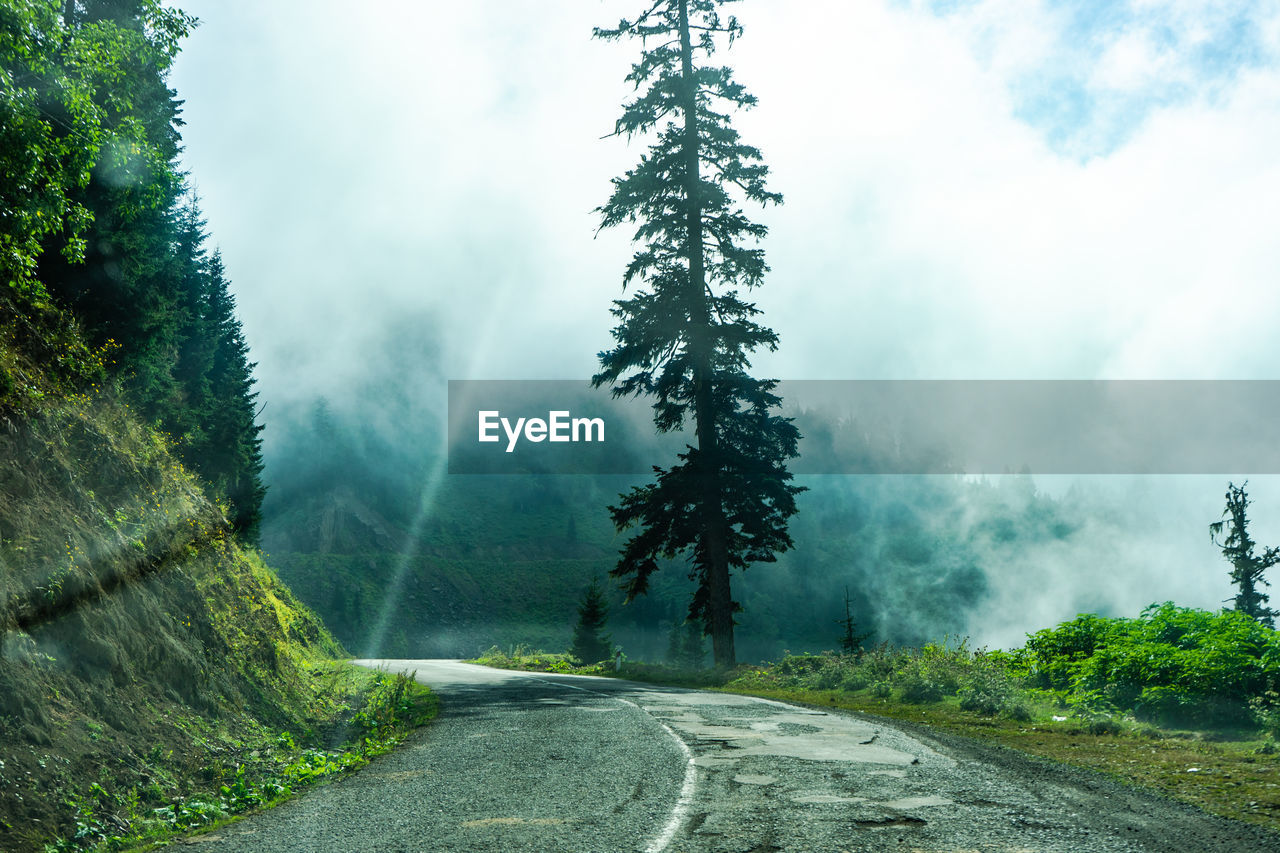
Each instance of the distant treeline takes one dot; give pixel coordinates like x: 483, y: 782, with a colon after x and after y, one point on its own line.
x: 97, y: 223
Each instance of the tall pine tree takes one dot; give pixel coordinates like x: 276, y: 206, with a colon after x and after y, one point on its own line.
x: 685, y: 334
x: 194, y: 341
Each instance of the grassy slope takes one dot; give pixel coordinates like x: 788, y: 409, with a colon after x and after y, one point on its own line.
x: 144, y: 654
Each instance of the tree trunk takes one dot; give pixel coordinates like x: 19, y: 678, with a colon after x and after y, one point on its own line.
x: 714, y: 532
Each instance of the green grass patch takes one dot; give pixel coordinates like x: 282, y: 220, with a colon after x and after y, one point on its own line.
x: 531, y: 660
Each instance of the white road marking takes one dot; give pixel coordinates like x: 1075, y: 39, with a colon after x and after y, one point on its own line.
x: 681, y: 810
x: 663, y: 839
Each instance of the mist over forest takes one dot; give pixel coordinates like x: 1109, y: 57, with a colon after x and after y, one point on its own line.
x: 402, y: 559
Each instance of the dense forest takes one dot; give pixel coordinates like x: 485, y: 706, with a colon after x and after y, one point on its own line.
x: 99, y: 224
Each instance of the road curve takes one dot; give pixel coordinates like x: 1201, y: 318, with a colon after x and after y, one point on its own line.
x: 537, y: 762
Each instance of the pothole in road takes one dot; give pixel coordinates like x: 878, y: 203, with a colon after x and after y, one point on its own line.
x: 818, y: 799
x: 754, y: 779
x: 781, y: 732
x: 886, y: 822
x: 723, y: 743
x: 918, y: 802
x: 713, y: 761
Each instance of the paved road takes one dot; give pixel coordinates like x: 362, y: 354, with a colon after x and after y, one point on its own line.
x: 533, y: 762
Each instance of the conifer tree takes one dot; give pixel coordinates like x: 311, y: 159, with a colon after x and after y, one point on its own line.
x: 675, y: 642
x: 685, y: 334
x: 850, y: 640
x: 1247, y: 568
x: 694, y: 650
x: 234, y: 457
x: 590, y: 643
x: 186, y: 418
x: 685, y: 647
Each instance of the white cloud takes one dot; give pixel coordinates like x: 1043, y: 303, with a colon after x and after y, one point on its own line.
x: 450, y: 156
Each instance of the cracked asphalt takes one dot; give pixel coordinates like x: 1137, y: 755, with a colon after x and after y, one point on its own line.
x: 536, y: 762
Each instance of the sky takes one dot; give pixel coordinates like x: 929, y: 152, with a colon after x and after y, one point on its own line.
x: 983, y: 189
x: 991, y: 189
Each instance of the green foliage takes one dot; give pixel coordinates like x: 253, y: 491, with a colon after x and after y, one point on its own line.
x: 1055, y: 652
x: 70, y: 104
x: 990, y: 688
x: 1266, y: 712
x: 92, y: 224
x: 222, y: 434
x: 535, y: 660
x: 1171, y: 664
x: 392, y: 702
x: 979, y: 681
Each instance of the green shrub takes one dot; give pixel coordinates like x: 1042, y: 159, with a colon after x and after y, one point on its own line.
x: 917, y: 686
x: 1054, y: 652
x: 853, y: 680
x: 988, y: 689
x: 830, y: 676
x: 1104, y: 724
x: 1266, y: 712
